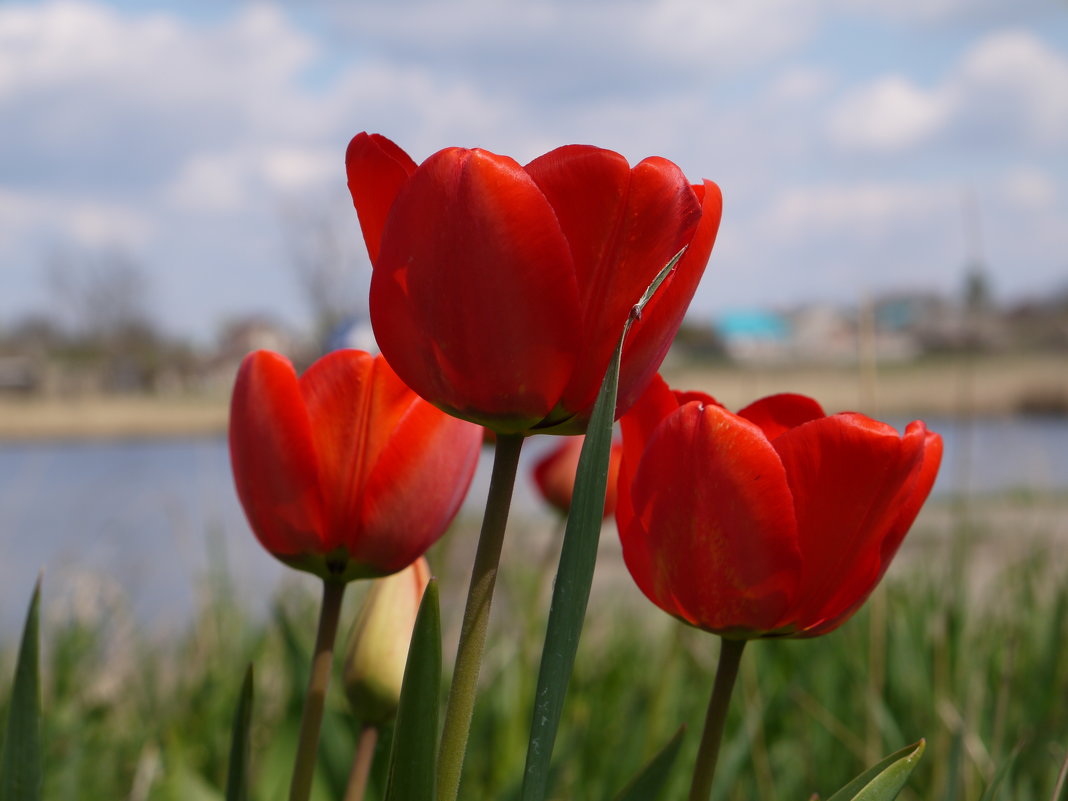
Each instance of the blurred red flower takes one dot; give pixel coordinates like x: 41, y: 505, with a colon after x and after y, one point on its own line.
x: 554, y: 474
x: 345, y: 472
x: 499, y: 291
x: 776, y: 521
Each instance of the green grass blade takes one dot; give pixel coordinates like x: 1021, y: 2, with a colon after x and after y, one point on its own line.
x: 237, y: 778
x: 571, y: 591
x: 648, y: 784
x: 883, y: 781
x: 991, y: 792
x: 20, y: 766
x: 415, y: 736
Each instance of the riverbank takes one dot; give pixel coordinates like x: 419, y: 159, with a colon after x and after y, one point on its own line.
x: 980, y: 386
x: 959, y: 386
x: 111, y: 417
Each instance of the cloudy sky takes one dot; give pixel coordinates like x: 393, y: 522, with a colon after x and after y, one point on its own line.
x: 202, y: 138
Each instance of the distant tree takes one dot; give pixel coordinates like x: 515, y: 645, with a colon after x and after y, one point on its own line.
x: 325, y: 249
x: 101, y: 296
x: 102, y: 303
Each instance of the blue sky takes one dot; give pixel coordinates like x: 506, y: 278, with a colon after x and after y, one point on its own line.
x: 202, y: 138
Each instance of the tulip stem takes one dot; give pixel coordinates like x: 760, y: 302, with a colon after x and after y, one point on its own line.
x: 318, y: 681
x: 461, y: 702
x: 361, y: 764
x: 730, y: 656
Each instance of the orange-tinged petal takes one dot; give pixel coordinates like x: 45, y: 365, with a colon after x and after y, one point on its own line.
x: 718, y: 521
x: 376, y: 170
x: 273, y: 457
x: 473, y: 296
x: 354, y: 401
x: 416, y: 484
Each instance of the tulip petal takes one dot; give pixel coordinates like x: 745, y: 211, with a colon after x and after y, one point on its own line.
x: 656, y: 403
x: 352, y: 412
x: 554, y: 475
x: 915, y: 494
x: 847, y: 473
x: 720, y: 552
x: 777, y: 414
x: 622, y: 227
x: 376, y: 169
x: 473, y: 296
x: 650, y: 338
x: 910, y: 499
x: 427, y: 465
x: 274, y: 463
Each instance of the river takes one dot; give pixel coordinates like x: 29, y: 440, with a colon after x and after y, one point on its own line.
x: 137, y: 522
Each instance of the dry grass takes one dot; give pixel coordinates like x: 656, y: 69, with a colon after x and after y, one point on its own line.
x: 988, y: 385
x: 105, y: 417
x: 983, y: 385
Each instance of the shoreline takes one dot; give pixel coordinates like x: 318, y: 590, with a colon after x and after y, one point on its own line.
x: 961, y: 387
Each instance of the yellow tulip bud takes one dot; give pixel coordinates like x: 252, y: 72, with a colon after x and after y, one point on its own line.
x: 378, y: 644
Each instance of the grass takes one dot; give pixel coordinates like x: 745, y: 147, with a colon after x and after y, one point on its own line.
x: 964, y: 644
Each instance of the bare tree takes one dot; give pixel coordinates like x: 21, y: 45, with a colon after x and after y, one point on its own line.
x: 101, y: 296
x: 102, y: 304
x: 323, y: 240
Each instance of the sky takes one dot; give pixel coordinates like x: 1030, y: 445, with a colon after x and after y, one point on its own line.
x: 862, y: 146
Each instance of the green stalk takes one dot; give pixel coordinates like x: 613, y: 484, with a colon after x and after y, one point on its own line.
x: 318, y: 681
x: 461, y: 702
x: 730, y: 656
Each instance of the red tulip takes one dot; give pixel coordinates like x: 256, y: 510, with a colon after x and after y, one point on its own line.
x: 500, y: 291
x: 776, y: 521
x: 345, y: 472
x: 554, y: 474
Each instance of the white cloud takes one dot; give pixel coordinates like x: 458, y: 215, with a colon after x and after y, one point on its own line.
x: 290, y: 169
x: 85, y: 221
x: 887, y: 115
x: 800, y: 84
x: 865, y: 211
x: 1030, y: 188
x: 943, y: 12
x: 112, y: 100
x: 209, y: 182
x: 1008, y: 89
x: 567, y: 50
x: 1015, y: 82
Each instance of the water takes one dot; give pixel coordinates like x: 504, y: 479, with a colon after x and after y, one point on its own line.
x: 139, y: 523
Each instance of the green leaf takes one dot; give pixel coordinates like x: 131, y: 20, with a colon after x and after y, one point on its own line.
x: 20, y: 766
x: 991, y: 791
x: 415, y: 736
x: 648, y: 784
x: 883, y: 781
x: 571, y: 591
x: 237, y: 776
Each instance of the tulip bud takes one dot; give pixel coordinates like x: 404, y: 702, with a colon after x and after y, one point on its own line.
x: 554, y: 475
x: 378, y: 644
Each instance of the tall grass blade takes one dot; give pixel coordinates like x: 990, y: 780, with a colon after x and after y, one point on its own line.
x: 571, y: 591
x: 20, y: 766
x: 648, y: 784
x: 237, y: 778
x: 415, y: 738
x: 1062, y: 777
x: 883, y: 781
x: 991, y: 792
